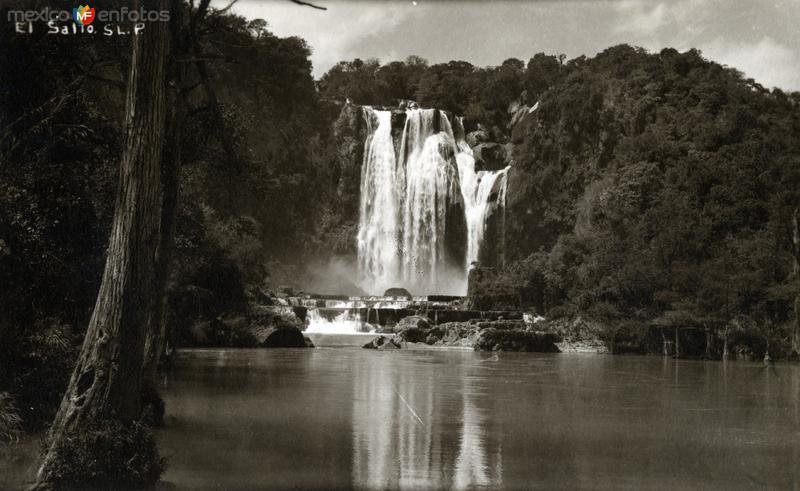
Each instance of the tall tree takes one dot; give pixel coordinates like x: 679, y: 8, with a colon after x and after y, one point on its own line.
x: 107, y: 377
x: 796, y: 254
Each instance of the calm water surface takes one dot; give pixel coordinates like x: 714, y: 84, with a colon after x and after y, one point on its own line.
x: 347, y: 417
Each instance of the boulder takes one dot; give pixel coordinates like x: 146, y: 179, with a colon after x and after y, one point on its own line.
x: 492, y: 339
x: 415, y: 321
x: 473, y: 138
x: 383, y: 343
x: 397, y: 292
x: 413, y: 329
x: 407, y: 104
x: 278, y: 337
x: 458, y: 333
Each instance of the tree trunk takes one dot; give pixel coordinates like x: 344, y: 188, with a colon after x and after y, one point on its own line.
x: 677, y: 343
x: 796, y: 250
x: 156, y: 326
x: 172, y: 159
x: 106, y: 380
x: 725, y: 353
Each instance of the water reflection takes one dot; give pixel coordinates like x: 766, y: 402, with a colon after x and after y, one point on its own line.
x: 417, y: 426
x: 349, y: 418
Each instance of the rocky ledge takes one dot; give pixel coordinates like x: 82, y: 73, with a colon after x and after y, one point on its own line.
x: 497, y: 335
x: 263, y: 327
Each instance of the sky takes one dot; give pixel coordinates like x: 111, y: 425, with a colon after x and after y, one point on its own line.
x: 759, y: 37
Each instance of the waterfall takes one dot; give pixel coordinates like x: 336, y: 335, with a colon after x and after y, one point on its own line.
x: 477, y: 189
x: 380, y: 203
x: 423, y: 207
x: 344, y: 322
x: 431, y: 184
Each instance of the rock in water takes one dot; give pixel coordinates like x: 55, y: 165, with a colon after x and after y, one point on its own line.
x: 383, y: 343
x: 516, y: 340
x: 279, y: 337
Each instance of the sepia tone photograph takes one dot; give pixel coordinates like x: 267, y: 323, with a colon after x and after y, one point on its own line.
x: 399, y: 245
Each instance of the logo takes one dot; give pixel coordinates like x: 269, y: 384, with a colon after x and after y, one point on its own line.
x: 83, y: 15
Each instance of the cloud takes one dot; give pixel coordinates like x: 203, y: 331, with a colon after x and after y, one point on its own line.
x: 758, y: 38
x: 770, y: 63
x: 676, y: 23
x: 337, y: 34
x: 639, y: 19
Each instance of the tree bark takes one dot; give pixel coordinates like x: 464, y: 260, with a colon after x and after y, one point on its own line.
x: 106, y: 380
x: 796, y: 251
x: 725, y: 353
x: 172, y: 160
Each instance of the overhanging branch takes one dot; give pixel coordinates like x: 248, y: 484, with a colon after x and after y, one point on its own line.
x: 301, y: 2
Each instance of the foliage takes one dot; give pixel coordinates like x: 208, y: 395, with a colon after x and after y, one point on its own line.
x: 655, y: 186
x: 61, y: 107
x: 10, y: 420
x: 152, y: 406
x: 481, y: 95
x: 40, y: 368
x: 108, y: 455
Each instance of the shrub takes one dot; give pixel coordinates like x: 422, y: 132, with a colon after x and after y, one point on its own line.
x: 107, y: 455
x: 152, y: 406
x: 42, y: 372
x: 10, y: 420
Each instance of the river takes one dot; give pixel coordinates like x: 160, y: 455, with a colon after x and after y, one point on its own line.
x: 341, y: 417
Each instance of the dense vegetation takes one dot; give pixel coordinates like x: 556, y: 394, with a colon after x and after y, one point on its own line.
x: 481, y: 94
x: 240, y: 206
x: 656, y: 189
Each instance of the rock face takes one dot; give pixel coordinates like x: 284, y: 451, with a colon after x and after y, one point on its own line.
x: 491, y: 156
x: 498, y: 335
x: 473, y: 138
x: 413, y: 329
x: 460, y: 334
x: 383, y: 343
x: 516, y: 340
x: 263, y: 327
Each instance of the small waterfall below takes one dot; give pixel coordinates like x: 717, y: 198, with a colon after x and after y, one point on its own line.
x: 345, y: 322
x: 423, y: 207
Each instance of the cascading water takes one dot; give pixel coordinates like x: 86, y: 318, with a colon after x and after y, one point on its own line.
x: 422, y: 207
x: 345, y: 322
x: 431, y: 187
x: 380, y: 203
x: 477, y: 189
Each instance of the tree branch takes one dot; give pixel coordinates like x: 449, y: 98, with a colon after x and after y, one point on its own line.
x: 301, y: 2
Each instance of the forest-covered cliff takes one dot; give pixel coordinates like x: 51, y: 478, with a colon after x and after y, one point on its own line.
x: 645, y: 188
